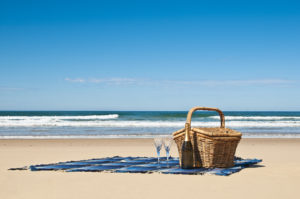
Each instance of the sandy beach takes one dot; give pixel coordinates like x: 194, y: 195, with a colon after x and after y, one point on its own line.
x: 278, y: 176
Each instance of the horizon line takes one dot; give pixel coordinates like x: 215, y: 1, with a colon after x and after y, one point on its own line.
x: 225, y: 110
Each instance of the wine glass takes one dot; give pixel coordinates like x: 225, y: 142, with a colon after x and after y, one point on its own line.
x: 168, y: 141
x: 158, y: 141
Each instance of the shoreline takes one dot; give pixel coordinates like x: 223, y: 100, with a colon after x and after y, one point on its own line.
x: 130, y: 138
x: 125, y: 137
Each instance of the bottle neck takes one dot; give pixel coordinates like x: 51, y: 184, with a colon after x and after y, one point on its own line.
x: 187, y: 130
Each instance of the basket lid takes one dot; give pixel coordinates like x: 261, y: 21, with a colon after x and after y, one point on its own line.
x: 217, y: 132
x: 211, y: 132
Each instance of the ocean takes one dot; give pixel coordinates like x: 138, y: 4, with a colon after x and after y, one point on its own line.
x: 141, y: 124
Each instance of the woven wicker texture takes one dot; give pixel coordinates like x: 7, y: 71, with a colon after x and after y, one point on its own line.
x: 213, y: 147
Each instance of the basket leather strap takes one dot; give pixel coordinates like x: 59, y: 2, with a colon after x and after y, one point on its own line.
x: 192, y: 110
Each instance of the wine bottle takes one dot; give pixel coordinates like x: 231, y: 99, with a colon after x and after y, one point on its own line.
x: 187, y: 159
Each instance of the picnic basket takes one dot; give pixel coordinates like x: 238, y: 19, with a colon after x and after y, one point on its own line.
x: 212, y: 147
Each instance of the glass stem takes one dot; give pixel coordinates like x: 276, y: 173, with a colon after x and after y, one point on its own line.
x: 158, y: 155
x: 168, y: 154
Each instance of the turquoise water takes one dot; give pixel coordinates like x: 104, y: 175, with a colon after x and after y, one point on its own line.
x: 77, y: 124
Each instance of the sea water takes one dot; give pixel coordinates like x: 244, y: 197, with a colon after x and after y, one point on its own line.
x: 141, y: 124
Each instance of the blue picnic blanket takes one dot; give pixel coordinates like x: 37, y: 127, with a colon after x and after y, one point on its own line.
x: 118, y: 164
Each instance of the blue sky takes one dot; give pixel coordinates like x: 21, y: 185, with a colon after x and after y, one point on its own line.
x: 149, y: 55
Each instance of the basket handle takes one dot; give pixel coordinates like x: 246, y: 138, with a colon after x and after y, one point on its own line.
x: 192, y: 110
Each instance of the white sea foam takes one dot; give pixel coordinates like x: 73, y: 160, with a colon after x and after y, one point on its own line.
x: 79, y: 117
x: 58, y: 121
x: 246, y: 135
x: 258, y: 117
x: 28, y: 121
x: 74, y: 136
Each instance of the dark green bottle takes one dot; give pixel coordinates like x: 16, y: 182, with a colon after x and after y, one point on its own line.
x: 187, y: 159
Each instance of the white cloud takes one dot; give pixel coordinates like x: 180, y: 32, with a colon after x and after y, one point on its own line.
x: 79, y: 80
x: 110, y: 81
x: 116, y: 81
x: 131, y: 81
x: 239, y: 82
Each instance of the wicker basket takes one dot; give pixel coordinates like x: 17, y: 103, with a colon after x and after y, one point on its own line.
x: 213, y: 147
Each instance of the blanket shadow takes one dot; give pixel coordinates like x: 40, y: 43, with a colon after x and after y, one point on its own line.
x: 256, y: 166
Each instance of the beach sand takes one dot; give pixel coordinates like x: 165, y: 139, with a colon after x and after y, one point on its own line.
x: 278, y: 176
